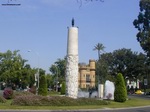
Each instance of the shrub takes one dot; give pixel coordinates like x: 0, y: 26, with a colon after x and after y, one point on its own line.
x: 8, y: 93
x: 37, y: 100
x: 22, y: 93
x: 63, y: 88
x: 27, y: 100
x: 42, y: 86
x: 2, y: 99
x: 120, y: 93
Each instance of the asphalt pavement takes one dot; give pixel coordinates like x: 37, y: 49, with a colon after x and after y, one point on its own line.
x: 134, y: 109
x: 142, y: 96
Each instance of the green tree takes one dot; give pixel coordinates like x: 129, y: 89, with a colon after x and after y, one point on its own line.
x: 101, y: 70
x: 120, y: 94
x: 13, y: 70
x: 58, y: 69
x: 49, y: 78
x: 100, y: 48
x: 41, y: 72
x: 11, y: 65
x: 105, y: 66
x: 142, y: 23
x: 136, y: 66
x: 42, y: 86
x: 131, y: 64
x: 61, y: 65
x: 28, y: 75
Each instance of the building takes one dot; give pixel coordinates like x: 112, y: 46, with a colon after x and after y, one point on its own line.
x: 86, y: 76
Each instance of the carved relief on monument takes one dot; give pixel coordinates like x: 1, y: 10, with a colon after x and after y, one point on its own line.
x: 71, y: 76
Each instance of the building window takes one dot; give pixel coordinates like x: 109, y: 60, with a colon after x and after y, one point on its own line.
x: 88, y: 78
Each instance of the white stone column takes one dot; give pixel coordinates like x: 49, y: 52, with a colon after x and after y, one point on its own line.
x: 100, y: 91
x: 72, y: 63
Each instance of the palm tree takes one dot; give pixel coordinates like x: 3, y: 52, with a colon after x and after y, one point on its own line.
x: 100, y: 48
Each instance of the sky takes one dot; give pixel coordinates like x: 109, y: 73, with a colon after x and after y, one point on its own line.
x: 41, y: 27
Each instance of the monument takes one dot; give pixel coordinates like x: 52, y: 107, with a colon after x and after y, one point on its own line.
x: 109, y: 90
x: 72, y: 62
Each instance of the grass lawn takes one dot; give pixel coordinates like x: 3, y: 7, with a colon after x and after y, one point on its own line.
x: 129, y: 103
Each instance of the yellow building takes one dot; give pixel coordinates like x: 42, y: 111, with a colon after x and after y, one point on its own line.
x: 87, y: 74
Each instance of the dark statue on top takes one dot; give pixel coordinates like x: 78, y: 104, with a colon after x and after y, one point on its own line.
x: 72, y: 22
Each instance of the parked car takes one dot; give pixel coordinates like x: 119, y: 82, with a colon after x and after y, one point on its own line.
x: 139, y: 92
x: 147, y: 93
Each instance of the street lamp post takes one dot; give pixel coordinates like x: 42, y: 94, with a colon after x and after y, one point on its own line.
x: 37, y: 74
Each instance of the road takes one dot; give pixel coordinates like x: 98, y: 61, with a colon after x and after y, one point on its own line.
x: 139, y: 96
x: 137, y: 109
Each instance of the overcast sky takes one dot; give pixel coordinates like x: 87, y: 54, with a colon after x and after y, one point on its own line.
x: 41, y: 26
